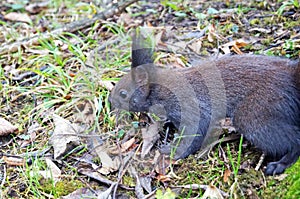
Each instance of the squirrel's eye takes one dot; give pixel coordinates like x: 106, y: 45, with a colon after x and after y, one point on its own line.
x: 123, y: 94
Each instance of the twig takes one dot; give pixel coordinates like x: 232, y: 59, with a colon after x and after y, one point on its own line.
x: 28, y: 154
x: 3, y: 180
x: 95, y: 175
x: 71, y: 27
x: 261, y: 159
x: 208, y: 148
x: 124, y: 166
x: 3, y: 177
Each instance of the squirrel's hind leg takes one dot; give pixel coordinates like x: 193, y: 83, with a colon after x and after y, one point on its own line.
x: 271, y: 128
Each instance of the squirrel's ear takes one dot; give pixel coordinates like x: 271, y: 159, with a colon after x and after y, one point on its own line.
x: 140, y: 76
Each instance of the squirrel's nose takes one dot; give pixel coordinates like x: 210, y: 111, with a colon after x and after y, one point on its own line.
x: 113, y: 103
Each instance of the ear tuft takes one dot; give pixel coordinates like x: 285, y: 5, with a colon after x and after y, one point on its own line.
x: 142, y: 51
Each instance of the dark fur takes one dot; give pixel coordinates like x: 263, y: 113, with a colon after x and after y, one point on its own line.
x: 262, y: 93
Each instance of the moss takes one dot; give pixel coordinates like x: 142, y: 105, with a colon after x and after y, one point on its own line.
x: 61, y: 188
x: 249, y: 47
x: 291, y: 24
x: 267, y: 41
x: 207, y: 44
x: 288, y: 187
x: 255, y: 22
x: 205, y: 52
x: 293, y: 180
x: 268, y: 21
x: 127, y: 180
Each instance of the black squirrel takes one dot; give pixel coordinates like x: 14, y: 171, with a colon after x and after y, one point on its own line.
x: 261, y: 94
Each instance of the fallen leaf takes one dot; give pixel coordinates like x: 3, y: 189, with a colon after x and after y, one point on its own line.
x: 6, y: 127
x: 150, y: 136
x: 226, y: 175
x: 196, y: 46
x: 65, y: 134
x: 126, y: 145
x: 146, y: 183
x: 163, y: 178
x: 139, y: 191
x: 212, y: 192
x: 85, y: 113
x: 107, y: 193
x: 21, y: 17
x: 234, y: 45
x: 236, y: 49
x: 211, y: 33
x: 108, y: 164
x: 87, y: 159
x: 100, y: 149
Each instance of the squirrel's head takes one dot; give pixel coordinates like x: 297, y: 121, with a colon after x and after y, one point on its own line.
x: 132, y: 91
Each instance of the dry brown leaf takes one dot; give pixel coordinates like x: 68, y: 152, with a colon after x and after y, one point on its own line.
x: 226, y: 175
x: 108, y: 164
x: 150, y: 136
x: 88, y: 160
x: 241, y: 43
x: 6, y: 127
x: 14, y: 161
x: 211, y: 33
x: 86, y: 113
x: 21, y: 17
x: 236, y: 49
x: 234, y: 45
x: 196, y: 46
x: 212, y: 192
x: 125, y: 146
x: 163, y: 178
x: 146, y: 183
x: 65, y: 134
x: 94, y: 175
